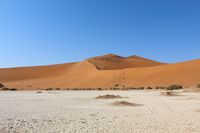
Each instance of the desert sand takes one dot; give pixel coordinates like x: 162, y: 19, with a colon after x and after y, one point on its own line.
x: 103, y: 71
x: 81, y: 112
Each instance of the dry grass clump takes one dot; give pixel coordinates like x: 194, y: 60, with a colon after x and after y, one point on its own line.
x: 108, y: 97
x: 198, y: 86
x: 140, y: 88
x: 130, y: 88
x: 124, y: 104
x: 118, y: 87
x: 149, y: 88
x: 160, y: 88
x: 2, y: 85
x: 49, y: 89
x: 12, y: 89
x: 170, y: 90
x: 39, y: 92
x: 99, y: 89
x: 169, y: 93
x: 4, y: 88
x: 115, y: 88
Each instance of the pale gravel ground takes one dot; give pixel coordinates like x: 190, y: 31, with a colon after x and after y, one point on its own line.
x: 80, y: 112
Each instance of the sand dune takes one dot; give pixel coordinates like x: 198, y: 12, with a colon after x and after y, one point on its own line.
x: 103, y: 71
x: 113, y: 62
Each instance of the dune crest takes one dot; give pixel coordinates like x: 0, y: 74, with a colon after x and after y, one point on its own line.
x: 114, y: 62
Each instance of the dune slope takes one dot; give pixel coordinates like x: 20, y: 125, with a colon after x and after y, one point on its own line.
x: 128, y: 71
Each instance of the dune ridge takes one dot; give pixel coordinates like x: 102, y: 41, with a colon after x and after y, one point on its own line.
x: 103, y: 71
x: 114, y: 62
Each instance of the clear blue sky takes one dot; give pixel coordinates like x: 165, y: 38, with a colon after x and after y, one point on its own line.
x: 39, y: 32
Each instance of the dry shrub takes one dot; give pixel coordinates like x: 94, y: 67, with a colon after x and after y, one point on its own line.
x: 49, y: 89
x: 12, y: 89
x: 198, y: 86
x: 169, y: 93
x: 5, y: 89
x: 124, y: 103
x: 160, y: 88
x: 116, y: 85
x: 108, y: 97
x: 149, y: 88
x: 99, y: 89
x: 8, y: 89
x: 140, y: 88
x: 2, y: 85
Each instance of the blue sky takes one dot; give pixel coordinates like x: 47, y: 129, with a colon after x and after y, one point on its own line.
x: 40, y: 32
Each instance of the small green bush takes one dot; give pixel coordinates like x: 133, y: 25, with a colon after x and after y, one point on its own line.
x: 174, y: 87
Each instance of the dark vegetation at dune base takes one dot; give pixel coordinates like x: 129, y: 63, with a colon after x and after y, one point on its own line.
x: 114, y: 87
x: 149, y: 88
x: 160, y: 88
x: 49, y: 89
x: 170, y: 90
x: 174, y: 87
x: 1, y: 85
x: 8, y: 89
x: 4, y: 88
x: 198, y: 86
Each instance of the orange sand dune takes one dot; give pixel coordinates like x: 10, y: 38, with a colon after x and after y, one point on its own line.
x: 104, y: 71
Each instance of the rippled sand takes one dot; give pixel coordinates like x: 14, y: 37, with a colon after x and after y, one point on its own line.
x: 81, y: 112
